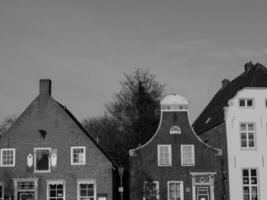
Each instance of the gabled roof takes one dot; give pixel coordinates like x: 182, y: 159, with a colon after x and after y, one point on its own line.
x: 213, y: 114
x: 88, y: 135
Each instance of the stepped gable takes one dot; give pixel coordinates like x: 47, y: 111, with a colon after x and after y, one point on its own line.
x: 254, y: 75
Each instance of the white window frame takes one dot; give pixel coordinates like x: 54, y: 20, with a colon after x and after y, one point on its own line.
x: 157, y: 188
x: 181, y: 189
x: 17, y: 189
x: 249, y: 185
x: 72, y: 157
x: 175, y: 130
x: 3, y: 190
x: 49, y: 160
x: 246, y: 102
x: 14, y: 157
x: 247, y: 147
x: 85, y: 181
x: 169, y: 154
x: 49, y: 182
x: 183, y: 159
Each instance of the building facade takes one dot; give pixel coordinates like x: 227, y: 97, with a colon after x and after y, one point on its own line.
x: 175, y: 164
x: 47, y: 155
x: 235, y: 121
x: 246, y: 129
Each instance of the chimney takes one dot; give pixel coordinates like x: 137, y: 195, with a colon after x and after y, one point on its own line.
x: 225, y: 82
x: 248, y: 66
x: 45, y: 87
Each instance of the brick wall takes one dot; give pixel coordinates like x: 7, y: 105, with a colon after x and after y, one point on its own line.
x: 62, y: 133
x: 144, y: 162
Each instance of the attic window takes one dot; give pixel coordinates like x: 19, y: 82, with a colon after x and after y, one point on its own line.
x: 175, y: 130
x: 174, y: 107
x: 246, y: 103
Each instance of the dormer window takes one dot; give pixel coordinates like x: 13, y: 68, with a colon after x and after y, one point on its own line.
x: 175, y: 130
x: 246, y: 103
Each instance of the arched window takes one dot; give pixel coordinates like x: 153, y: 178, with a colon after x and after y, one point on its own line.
x: 175, y: 130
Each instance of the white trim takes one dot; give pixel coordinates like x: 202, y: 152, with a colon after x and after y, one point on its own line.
x: 181, y: 189
x: 249, y: 184
x: 71, y: 155
x: 174, y: 130
x: 17, y: 180
x: 14, y: 157
x: 247, y: 136
x: 49, y: 160
x: 174, y: 107
x: 2, y: 184
x: 183, y: 163
x: 157, y: 188
x: 210, y: 184
x: 169, y: 154
x: 56, y: 181
x: 82, y: 181
x: 150, y: 140
x: 246, y: 103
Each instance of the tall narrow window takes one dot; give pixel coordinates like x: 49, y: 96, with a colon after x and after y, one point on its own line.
x: 248, y: 139
x: 164, y: 155
x: 187, y: 155
x: 250, y: 184
x: 246, y: 102
x: 42, y: 159
x: 78, y: 156
x: 56, y: 190
x: 86, y: 190
x: 151, y: 190
x: 7, y: 157
x: 1, y: 191
x: 175, y: 190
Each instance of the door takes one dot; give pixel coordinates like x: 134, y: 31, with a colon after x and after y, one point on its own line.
x: 203, y: 192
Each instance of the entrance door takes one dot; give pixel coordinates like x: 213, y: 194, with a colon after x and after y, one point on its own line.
x: 203, y: 192
x: 26, y: 196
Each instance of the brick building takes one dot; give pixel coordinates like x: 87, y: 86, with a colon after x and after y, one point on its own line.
x: 235, y: 120
x: 47, y: 155
x: 175, y: 164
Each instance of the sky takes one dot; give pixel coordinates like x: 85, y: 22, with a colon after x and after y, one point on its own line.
x: 85, y: 46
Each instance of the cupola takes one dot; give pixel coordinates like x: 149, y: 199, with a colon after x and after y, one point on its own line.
x: 174, y: 102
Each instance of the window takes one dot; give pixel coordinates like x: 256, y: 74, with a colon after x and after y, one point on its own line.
x: 247, y: 132
x: 250, y: 184
x: 245, y: 102
x: 86, y: 190
x: 187, y: 155
x: 151, y: 190
x: 175, y: 190
x: 1, y: 191
x: 164, y: 155
x: 26, y: 188
x: 7, y: 157
x: 55, y: 190
x: 175, y: 130
x: 174, y: 107
x: 78, y: 156
x: 42, y: 159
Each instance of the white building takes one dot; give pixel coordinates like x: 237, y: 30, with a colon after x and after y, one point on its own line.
x: 246, y: 131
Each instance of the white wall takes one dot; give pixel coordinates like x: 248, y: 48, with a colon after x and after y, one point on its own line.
x: 238, y: 158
